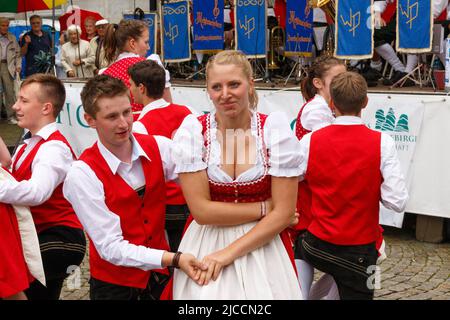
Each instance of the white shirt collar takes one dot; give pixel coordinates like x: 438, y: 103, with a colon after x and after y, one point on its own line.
x: 43, y: 133
x: 124, y: 55
x: 348, y: 120
x: 114, y: 162
x: 157, y: 104
x: 320, y: 98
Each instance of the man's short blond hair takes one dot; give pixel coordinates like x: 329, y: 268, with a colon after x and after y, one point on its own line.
x: 349, y: 92
x: 3, y: 19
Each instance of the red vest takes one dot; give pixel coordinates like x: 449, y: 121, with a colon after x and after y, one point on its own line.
x: 164, y: 122
x: 443, y: 15
x: 280, y: 12
x: 142, y: 220
x: 389, y: 12
x: 119, y: 70
x: 56, y: 211
x: 344, y: 177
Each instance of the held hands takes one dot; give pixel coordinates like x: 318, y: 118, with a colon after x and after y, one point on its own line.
x: 214, y: 262
x: 27, y: 39
x: 191, y: 266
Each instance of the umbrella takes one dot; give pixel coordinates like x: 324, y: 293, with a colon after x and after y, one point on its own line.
x: 77, y: 16
x: 28, y: 5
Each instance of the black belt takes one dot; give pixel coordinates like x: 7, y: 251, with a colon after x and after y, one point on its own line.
x: 4, y: 61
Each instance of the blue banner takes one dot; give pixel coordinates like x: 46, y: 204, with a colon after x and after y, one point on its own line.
x: 299, y: 28
x: 151, y: 20
x: 354, y: 29
x: 414, y: 26
x: 175, y: 33
x: 250, y: 17
x: 208, y: 25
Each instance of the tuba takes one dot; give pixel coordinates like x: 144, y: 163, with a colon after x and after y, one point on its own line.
x: 329, y: 6
x: 276, y: 41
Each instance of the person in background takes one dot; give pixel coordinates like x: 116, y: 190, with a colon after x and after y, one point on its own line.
x: 159, y: 117
x: 75, y: 53
x: 36, y: 46
x: 89, y: 26
x: 97, y: 57
x: 125, y: 46
x: 313, y: 115
x: 10, y: 65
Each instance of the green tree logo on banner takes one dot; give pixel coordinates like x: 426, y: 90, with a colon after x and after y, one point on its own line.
x: 389, y: 121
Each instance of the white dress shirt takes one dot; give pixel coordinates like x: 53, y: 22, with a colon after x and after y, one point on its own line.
x: 85, y: 192
x: 49, y: 168
x: 316, y: 114
x: 394, y: 194
x: 138, y: 127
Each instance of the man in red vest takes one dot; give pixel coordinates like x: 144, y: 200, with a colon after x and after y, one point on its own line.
x: 40, y: 166
x: 349, y: 169
x: 118, y: 191
x: 159, y: 117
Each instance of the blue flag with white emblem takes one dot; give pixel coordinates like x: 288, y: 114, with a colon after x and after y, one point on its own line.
x: 208, y: 25
x: 414, y: 26
x: 250, y: 19
x: 175, y: 31
x: 299, y: 28
x: 354, y: 29
x: 151, y: 20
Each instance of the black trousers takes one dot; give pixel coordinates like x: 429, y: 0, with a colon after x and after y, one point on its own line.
x: 385, y: 34
x: 176, y: 216
x: 101, y: 290
x: 352, y: 267
x: 62, y: 249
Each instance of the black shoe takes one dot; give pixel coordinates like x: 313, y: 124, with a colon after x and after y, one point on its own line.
x: 371, y: 74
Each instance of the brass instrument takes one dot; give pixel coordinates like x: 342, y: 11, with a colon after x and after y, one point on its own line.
x: 276, y: 40
x: 329, y: 6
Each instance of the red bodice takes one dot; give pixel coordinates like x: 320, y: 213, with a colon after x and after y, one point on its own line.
x: 248, y: 191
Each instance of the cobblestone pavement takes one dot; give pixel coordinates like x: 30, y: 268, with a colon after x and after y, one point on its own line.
x: 413, y: 270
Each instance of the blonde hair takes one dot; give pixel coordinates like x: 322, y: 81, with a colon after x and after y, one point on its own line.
x: 4, y: 19
x: 349, y: 92
x: 240, y: 60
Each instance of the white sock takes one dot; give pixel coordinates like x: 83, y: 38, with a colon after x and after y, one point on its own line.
x: 387, y: 53
x: 377, y: 65
x: 411, y: 62
x: 334, y: 293
x: 353, y: 62
x: 325, y: 288
x: 305, y: 276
